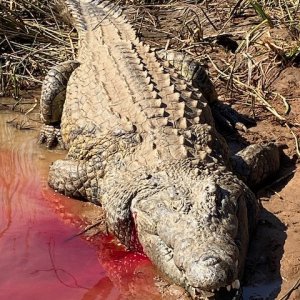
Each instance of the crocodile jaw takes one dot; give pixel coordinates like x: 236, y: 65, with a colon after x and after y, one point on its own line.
x: 211, y: 270
x: 194, y: 263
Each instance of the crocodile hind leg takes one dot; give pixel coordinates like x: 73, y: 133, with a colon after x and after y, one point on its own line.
x: 256, y: 163
x: 52, y: 102
x: 225, y: 116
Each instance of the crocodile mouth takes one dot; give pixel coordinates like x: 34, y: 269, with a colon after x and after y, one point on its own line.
x: 230, y: 292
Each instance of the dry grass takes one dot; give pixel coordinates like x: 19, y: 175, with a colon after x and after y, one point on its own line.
x: 32, y: 38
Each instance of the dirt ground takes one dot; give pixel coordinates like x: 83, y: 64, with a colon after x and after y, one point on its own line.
x: 274, y: 254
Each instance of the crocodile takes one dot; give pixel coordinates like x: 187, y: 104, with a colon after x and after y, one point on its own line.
x: 142, y: 144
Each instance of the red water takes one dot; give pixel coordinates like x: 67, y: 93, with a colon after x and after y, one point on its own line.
x: 38, y: 259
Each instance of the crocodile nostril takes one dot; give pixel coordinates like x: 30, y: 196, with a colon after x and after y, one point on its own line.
x: 210, y: 260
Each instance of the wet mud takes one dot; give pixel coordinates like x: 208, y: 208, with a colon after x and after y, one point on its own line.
x: 41, y: 256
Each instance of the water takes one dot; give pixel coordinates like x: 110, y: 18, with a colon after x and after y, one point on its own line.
x: 38, y: 258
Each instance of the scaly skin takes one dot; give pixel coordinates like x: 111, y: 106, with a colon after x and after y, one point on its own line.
x: 142, y: 144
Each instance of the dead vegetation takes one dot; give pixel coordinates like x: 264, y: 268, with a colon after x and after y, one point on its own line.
x: 21, y: 123
x: 243, y: 44
x: 33, y: 37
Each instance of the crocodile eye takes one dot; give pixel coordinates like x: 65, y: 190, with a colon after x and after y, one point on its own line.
x: 177, y: 199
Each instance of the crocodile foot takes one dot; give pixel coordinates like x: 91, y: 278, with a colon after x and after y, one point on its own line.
x: 256, y: 163
x: 229, y: 119
x: 51, y: 136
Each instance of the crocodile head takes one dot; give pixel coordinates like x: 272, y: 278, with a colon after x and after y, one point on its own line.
x: 192, y: 224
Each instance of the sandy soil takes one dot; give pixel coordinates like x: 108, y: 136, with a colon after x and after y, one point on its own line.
x: 274, y: 255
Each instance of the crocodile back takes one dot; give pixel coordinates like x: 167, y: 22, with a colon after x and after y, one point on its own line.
x: 122, y: 86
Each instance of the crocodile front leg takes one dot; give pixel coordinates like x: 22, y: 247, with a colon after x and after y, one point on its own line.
x: 52, y: 102
x: 253, y: 164
x: 76, y: 178
x: 68, y: 177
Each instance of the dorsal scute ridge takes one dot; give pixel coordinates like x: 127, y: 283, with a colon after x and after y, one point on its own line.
x: 169, y: 89
x: 174, y: 97
x: 172, y: 140
x: 174, y: 105
x: 120, y: 19
x: 168, y: 76
x: 193, y: 98
x: 146, y: 98
x: 146, y: 103
x: 186, y: 93
x: 161, y: 98
x: 74, y: 8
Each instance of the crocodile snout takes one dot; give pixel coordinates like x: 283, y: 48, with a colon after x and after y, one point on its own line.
x: 205, y: 266
x: 209, y: 274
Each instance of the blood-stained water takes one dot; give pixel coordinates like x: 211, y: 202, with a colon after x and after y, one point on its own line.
x: 40, y: 255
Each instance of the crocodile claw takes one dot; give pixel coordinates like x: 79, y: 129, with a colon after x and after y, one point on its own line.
x: 228, y: 118
x: 51, y: 136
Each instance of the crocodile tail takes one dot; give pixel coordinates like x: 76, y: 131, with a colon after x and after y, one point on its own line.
x: 81, y: 14
x: 71, y: 10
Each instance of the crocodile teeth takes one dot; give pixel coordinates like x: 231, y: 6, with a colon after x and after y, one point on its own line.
x: 236, y: 284
x: 228, y: 287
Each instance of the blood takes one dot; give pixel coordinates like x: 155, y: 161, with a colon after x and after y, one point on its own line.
x: 41, y: 256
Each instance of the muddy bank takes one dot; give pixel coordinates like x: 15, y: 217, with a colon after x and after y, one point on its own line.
x: 41, y: 255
